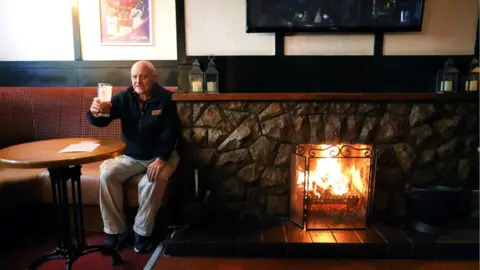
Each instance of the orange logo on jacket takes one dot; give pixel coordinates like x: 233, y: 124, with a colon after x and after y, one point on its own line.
x: 156, y: 112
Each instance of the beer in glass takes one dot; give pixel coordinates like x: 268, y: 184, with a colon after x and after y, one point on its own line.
x: 105, y: 97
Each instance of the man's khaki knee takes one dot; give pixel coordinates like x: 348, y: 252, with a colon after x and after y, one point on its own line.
x: 170, y: 167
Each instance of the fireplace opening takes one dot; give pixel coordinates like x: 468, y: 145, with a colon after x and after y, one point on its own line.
x: 332, y: 186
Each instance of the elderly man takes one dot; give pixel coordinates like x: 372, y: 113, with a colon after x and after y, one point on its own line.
x: 150, y: 129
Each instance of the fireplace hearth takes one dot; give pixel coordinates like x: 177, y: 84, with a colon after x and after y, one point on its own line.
x: 332, y: 186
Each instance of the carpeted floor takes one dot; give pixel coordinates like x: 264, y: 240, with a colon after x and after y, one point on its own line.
x: 18, y: 255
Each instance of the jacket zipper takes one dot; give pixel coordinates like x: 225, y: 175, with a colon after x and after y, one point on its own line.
x: 140, y: 123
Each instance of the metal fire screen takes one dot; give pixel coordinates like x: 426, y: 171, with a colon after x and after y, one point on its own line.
x: 332, y: 186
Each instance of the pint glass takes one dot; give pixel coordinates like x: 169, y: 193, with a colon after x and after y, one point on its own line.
x: 105, y: 97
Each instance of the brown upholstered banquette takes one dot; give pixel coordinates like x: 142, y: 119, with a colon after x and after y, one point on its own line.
x: 35, y: 113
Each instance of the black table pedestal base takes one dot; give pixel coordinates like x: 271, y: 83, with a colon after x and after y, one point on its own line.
x: 71, y: 245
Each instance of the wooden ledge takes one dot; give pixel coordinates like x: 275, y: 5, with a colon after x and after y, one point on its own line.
x: 326, y: 96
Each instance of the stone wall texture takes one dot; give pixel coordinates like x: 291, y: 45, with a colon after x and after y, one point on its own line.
x: 242, y: 149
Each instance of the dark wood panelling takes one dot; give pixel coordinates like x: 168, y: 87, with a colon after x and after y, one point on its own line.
x: 253, y: 74
x: 334, y: 74
x: 81, y: 64
x: 78, y: 73
x: 92, y: 76
x: 326, y: 96
x: 38, y: 77
x: 183, y: 83
x: 121, y: 76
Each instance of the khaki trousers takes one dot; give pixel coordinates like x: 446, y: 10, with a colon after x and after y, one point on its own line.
x: 113, y: 173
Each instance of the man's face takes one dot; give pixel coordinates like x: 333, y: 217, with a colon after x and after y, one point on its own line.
x: 142, y: 79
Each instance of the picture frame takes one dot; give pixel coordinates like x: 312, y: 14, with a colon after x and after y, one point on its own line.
x: 126, y: 22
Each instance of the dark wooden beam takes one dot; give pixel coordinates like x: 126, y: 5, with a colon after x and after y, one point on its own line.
x: 77, y: 42
x: 181, y: 42
x: 279, y: 44
x: 378, y: 44
x: 477, y: 48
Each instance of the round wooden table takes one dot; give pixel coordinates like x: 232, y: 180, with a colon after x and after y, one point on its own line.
x: 63, y: 167
x: 45, y: 154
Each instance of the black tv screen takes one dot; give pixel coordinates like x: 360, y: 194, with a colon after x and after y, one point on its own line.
x: 334, y: 15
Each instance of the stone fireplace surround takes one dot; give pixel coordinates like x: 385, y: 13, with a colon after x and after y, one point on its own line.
x: 242, y: 142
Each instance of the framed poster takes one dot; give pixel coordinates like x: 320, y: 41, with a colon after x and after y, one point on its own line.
x: 125, y: 22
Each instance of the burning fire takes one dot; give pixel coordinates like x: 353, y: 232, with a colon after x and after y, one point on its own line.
x: 332, y: 176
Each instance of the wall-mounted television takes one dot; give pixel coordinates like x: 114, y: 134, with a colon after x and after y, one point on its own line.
x: 294, y: 16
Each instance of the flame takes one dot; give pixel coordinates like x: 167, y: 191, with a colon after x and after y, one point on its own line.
x: 332, y: 176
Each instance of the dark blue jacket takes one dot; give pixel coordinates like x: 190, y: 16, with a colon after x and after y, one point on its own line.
x: 148, y: 133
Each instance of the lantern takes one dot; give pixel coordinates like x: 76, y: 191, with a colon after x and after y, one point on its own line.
x: 447, y: 78
x: 196, y: 78
x: 471, y: 81
x: 211, y: 76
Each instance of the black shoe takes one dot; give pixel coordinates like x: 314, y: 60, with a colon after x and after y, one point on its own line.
x: 114, y: 241
x: 110, y: 244
x: 143, y: 244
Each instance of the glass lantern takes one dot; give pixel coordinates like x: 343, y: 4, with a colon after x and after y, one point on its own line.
x: 195, y: 77
x: 447, y: 78
x: 211, y: 76
x: 471, y: 81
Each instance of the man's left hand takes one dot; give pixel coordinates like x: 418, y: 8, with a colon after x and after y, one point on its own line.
x: 154, y: 169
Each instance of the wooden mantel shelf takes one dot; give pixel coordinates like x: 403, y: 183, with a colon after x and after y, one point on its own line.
x: 326, y: 96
